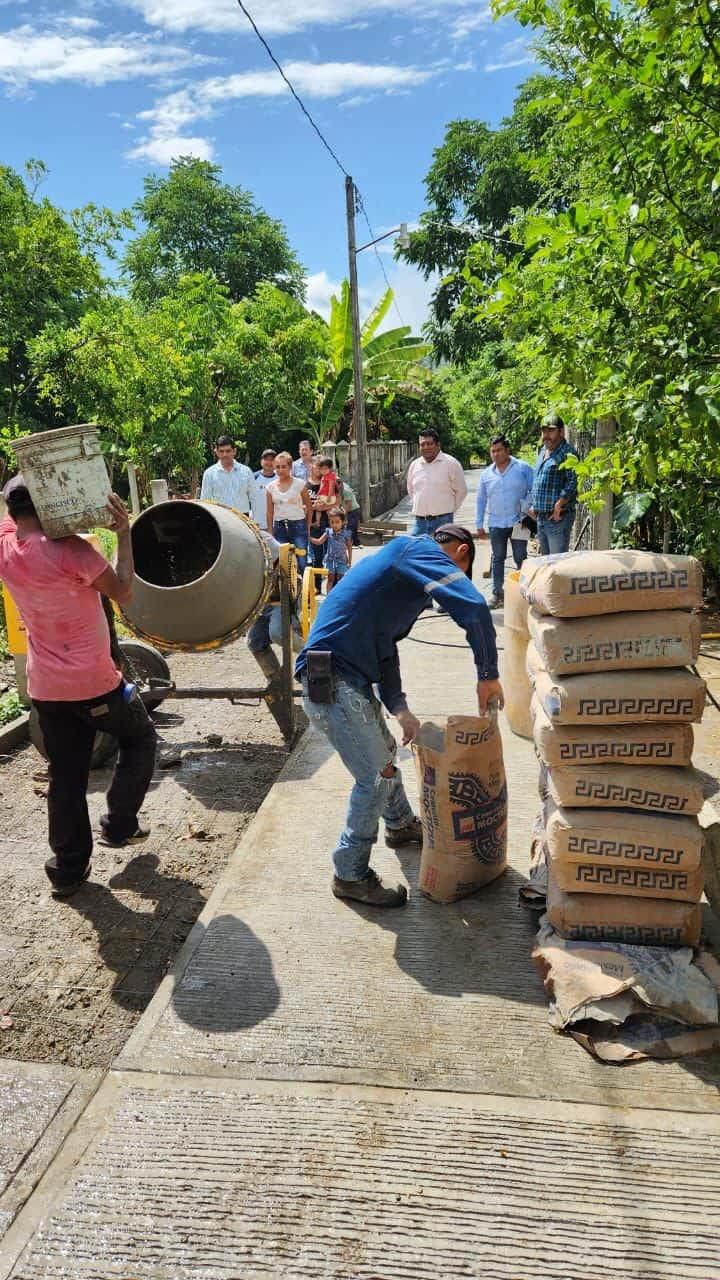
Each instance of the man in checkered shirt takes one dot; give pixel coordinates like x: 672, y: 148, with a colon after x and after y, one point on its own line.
x: 554, y: 491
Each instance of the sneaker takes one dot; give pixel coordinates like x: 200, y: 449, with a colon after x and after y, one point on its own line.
x: 496, y: 602
x: 67, y: 890
x: 411, y: 833
x: 137, y: 837
x: 370, y: 890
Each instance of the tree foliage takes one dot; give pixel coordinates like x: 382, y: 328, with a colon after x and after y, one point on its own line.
x: 194, y: 222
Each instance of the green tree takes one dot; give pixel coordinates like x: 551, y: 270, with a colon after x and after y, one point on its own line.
x: 194, y: 222
x: 477, y: 179
x: 392, y: 362
x: 49, y: 273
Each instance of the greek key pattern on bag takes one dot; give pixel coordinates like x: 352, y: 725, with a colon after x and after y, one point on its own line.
x: 625, y: 850
x: 633, y: 878
x: 631, y: 580
x: 637, y: 797
x: 585, y: 751
x: 646, y: 935
x: 628, y: 706
x: 623, y: 650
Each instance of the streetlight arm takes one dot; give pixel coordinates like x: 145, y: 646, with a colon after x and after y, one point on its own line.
x: 403, y: 233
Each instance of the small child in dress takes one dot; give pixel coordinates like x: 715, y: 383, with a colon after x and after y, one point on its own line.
x: 337, y: 540
x: 329, y: 487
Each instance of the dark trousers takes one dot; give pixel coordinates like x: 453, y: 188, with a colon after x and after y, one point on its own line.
x: 353, y: 524
x: 498, y: 545
x: 69, y: 729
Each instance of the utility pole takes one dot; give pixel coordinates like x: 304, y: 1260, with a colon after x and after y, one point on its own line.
x: 360, y: 424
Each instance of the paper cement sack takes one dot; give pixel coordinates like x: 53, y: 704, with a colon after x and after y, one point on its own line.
x: 515, y: 608
x: 602, y: 582
x: 516, y: 682
x: 621, y: 642
x: 612, y: 786
x: 669, y: 883
x: 463, y: 805
x: 623, y: 839
x: 658, y: 744
x: 618, y: 697
x: 650, y: 922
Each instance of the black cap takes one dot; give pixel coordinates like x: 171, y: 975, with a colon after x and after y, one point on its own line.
x: 457, y: 533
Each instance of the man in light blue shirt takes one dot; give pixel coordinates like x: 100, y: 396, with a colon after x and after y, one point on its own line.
x: 228, y: 481
x: 503, y: 497
x: 302, y: 466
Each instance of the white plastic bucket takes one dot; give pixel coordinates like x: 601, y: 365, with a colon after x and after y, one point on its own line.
x: 67, y: 478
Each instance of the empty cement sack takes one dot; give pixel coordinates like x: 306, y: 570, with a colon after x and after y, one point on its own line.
x: 463, y: 805
x: 649, y: 922
x: 635, y: 744
x: 612, y: 786
x: 618, y: 697
x: 622, y: 642
x: 602, y: 582
x: 624, y: 839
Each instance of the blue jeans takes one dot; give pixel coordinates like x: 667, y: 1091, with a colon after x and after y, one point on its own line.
x: 498, y: 544
x: 554, y: 535
x: 355, y: 724
x: 428, y: 524
x: 296, y: 532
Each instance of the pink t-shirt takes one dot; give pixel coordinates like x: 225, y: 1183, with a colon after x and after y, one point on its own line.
x: 68, y: 638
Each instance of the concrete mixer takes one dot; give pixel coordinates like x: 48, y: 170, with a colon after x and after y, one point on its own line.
x: 204, y: 573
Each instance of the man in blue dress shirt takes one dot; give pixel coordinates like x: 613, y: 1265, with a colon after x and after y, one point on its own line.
x: 227, y: 480
x: 302, y: 466
x: 503, y: 496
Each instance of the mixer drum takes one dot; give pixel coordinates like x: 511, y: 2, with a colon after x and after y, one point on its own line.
x: 203, y: 573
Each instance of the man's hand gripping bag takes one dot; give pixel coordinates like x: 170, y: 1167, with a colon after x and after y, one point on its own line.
x: 463, y: 805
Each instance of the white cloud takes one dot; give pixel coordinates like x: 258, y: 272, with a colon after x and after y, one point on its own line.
x: 412, y: 296
x: 469, y: 21
x: 278, y: 17
x: 163, y: 149
x: 516, y: 53
x: 176, y: 111
x: 28, y: 55
x: 320, y: 289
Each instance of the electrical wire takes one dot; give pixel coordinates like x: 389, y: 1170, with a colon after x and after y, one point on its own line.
x: 294, y: 93
x: 360, y: 203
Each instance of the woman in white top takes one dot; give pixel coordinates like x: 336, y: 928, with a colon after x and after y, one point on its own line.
x: 289, y: 509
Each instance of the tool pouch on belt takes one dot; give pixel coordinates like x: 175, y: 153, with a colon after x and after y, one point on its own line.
x: 320, y: 675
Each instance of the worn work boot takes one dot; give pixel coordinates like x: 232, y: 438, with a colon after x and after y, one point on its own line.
x: 370, y: 890
x: 137, y: 837
x: 71, y: 886
x: 496, y: 601
x: 411, y: 833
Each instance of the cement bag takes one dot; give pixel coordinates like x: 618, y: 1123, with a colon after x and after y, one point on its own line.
x: 516, y: 682
x: 618, y: 697
x: 463, y: 805
x: 624, y: 839
x: 602, y: 582
x: 669, y: 883
x: 515, y: 608
x: 649, y: 922
x: 658, y: 744
x: 623, y: 642
x: 612, y: 786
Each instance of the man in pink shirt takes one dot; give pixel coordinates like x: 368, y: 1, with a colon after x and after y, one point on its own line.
x: 73, y: 681
x: 436, y: 484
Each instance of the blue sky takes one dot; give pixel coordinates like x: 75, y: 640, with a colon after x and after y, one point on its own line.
x: 106, y: 92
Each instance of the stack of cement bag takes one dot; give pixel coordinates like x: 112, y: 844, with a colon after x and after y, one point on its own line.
x: 611, y: 637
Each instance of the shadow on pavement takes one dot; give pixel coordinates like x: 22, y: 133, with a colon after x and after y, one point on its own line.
x: 229, y: 984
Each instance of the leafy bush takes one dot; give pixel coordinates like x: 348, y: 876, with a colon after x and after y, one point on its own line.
x: 10, y: 707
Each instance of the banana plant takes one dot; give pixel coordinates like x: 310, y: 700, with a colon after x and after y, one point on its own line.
x: 392, y: 361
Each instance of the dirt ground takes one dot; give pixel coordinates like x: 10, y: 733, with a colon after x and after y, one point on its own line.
x: 75, y: 975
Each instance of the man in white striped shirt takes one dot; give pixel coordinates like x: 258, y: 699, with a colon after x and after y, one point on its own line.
x: 227, y: 480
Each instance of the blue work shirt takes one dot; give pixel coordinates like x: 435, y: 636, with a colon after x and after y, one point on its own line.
x: 234, y: 488
x: 504, y: 495
x: 550, y: 483
x: 375, y: 605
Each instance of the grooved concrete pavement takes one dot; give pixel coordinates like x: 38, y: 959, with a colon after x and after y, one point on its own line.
x: 327, y: 1091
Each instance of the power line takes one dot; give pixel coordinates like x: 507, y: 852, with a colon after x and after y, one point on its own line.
x: 324, y: 141
x: 295, y: 95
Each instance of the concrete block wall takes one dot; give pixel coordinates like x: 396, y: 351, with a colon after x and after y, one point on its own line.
x: 388, y: 461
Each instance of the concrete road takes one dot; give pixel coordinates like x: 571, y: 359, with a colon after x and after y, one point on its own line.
x: 324, y: 1091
